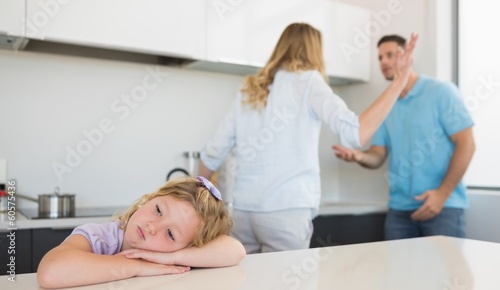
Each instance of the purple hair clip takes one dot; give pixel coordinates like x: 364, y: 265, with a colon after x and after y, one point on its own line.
x: 213, y: 190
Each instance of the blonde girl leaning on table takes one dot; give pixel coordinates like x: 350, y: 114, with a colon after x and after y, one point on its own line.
x: 274, y: 126
x: 183, y: 224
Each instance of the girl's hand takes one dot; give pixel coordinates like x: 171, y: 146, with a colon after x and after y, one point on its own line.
x: 146, y: 268
x: 155, y: 257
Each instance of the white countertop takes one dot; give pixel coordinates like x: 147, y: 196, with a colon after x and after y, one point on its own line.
x: 21, y: 222
x: 431, y: 263
x: 351, y: 208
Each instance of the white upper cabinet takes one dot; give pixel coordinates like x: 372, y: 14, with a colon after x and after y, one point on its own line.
x: 12, y: 13
x: 245, y: 33
x: 162, y: 27
x: 347, y: 45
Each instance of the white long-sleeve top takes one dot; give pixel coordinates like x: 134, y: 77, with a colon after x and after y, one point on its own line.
x: 277, y: 165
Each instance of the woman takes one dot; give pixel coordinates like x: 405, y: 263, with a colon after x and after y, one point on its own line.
x: 274, y: 127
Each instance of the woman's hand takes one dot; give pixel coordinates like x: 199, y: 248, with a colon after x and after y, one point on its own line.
x: 404, y: 59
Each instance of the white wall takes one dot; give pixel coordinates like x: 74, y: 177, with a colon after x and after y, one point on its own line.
x: 483, y: 215
x: 48, y: 101
x: 479, y: 75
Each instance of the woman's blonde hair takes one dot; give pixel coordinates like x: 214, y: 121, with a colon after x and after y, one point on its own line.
x: 215, y: 219
x: 298, y: 49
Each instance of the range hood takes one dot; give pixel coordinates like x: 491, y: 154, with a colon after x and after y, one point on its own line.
x: 12, y: 42
x: 225, y: 67
x: 247, y: 69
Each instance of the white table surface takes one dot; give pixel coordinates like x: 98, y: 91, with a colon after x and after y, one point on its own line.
x: 431, y: 263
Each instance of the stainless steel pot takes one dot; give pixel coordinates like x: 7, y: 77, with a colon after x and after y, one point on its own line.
x: 54, y: 205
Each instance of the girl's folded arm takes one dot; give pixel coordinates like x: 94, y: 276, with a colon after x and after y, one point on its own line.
x: 223, y: 251
x: 73, y: 263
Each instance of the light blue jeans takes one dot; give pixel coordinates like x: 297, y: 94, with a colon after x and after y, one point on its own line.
x: 449, y: 222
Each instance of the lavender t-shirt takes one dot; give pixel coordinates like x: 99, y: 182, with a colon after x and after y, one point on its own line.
x: 105, y: 239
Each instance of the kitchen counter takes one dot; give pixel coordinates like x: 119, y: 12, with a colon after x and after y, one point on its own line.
x: 413, y: 264
x: 22, y: 222
x: 351, y: 208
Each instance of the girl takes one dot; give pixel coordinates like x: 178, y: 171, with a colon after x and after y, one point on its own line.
x: 274, y: 127
x: 183, y: 224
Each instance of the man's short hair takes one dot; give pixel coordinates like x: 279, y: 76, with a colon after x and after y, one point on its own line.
x: 396, y: 38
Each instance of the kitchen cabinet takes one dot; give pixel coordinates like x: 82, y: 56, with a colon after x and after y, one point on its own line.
x: 17, y: 245
x: 172, y: 28
x: 334, y: 230
x: 12, y: 13
x: 30, y: 246
x: 43, y: 240
x: 245, y: 33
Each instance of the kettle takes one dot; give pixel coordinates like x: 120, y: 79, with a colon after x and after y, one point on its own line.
x: 178, y: 169
x: 192, y: 169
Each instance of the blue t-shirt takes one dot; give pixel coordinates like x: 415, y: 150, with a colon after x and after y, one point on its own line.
x: 416, y: 135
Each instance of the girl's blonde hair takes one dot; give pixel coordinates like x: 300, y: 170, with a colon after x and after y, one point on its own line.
x: 215, y: 219
x: 298, y: 49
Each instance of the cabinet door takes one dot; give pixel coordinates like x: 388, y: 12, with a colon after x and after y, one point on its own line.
x: 172, y: 28
x: 334, y: 230
x: 246, y: 32
x: 44, y: 240
x: 12, y: 17
x: 346, y: 44
x: 15, y: 244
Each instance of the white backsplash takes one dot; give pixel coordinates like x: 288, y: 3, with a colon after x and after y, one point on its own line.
x: 107, y: 131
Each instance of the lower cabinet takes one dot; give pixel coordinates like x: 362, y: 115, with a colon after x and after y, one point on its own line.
x: 334, y: 230
x: 43, y: 240
x: 27, y: 247
x: 15, y: 252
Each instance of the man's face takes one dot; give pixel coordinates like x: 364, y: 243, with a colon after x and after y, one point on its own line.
x: 387, y: 58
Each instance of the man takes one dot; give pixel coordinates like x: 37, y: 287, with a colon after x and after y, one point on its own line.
x: 428, y: 139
